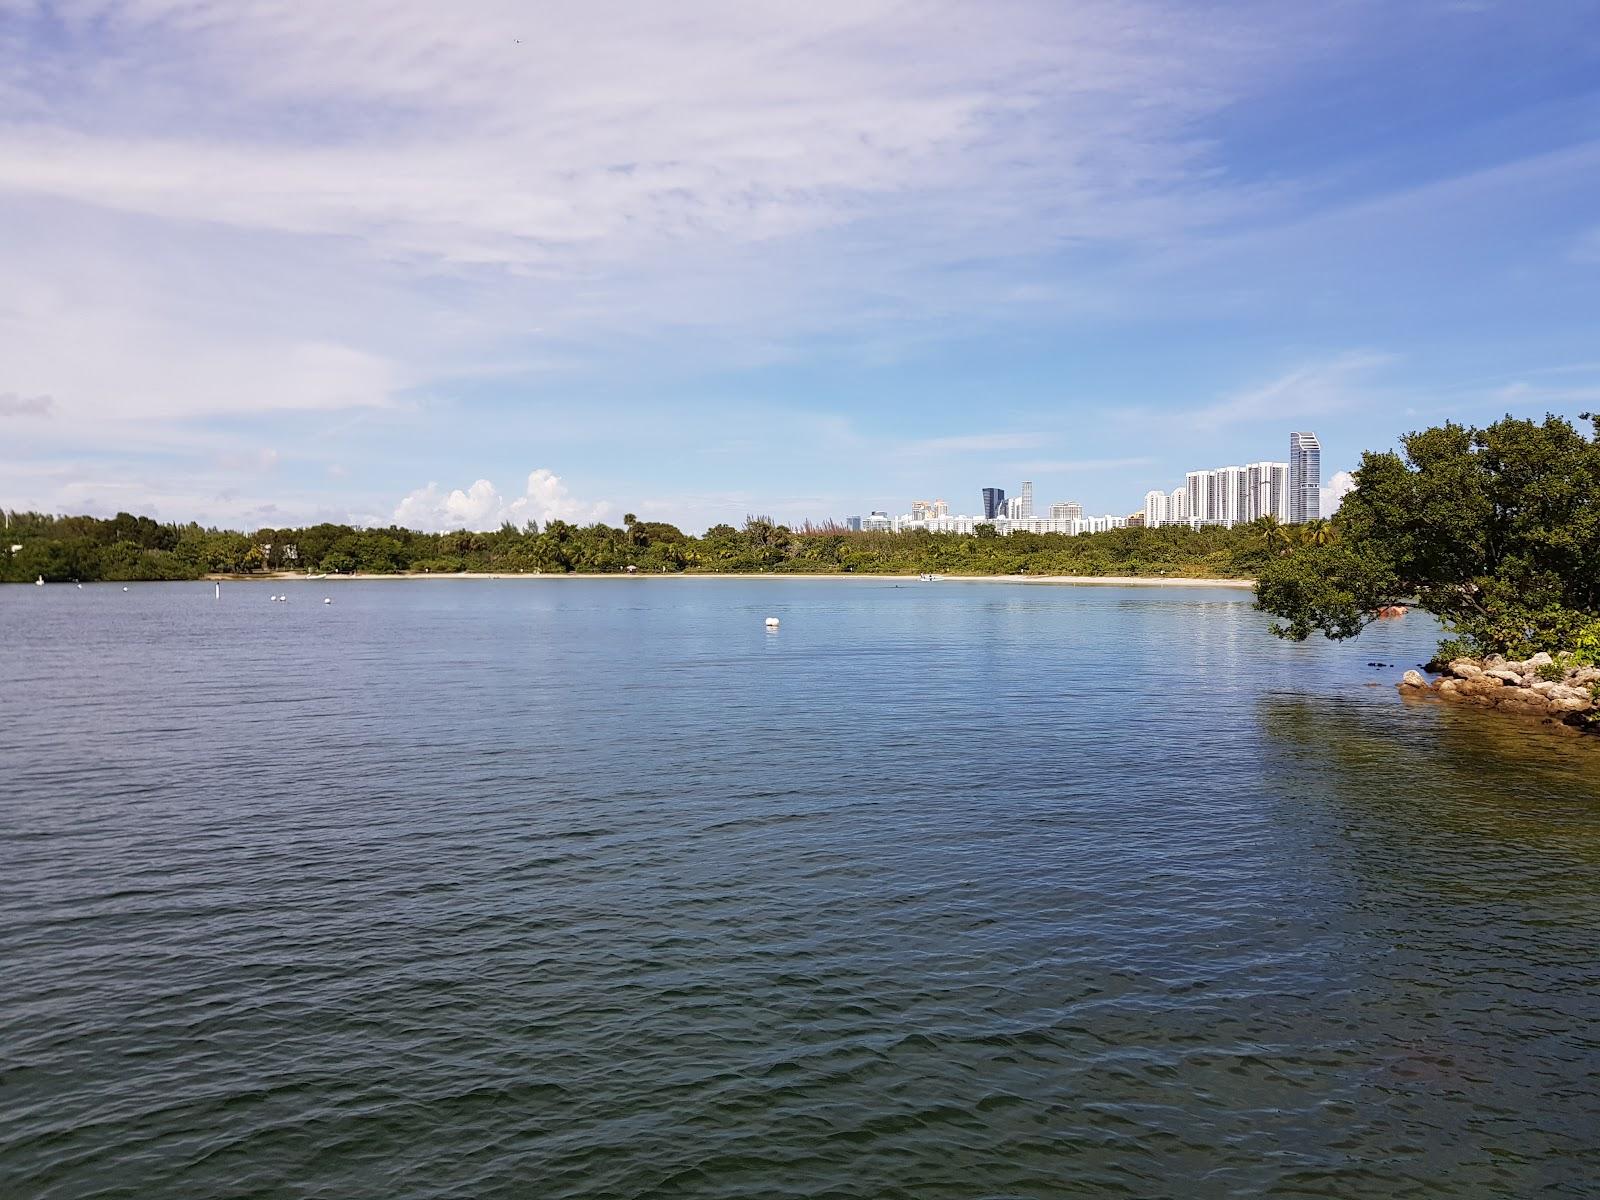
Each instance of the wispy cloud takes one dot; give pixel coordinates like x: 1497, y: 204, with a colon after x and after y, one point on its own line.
x: 973, y: 443
x: 1315, y: 389
x: 13, y: 405
x: 500, y: 184
x: 1082, y: 464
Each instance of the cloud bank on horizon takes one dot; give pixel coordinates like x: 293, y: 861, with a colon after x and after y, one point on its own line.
x: 272, y: 261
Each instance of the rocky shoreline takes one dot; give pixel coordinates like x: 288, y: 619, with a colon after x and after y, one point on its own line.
x: 1551, y: 687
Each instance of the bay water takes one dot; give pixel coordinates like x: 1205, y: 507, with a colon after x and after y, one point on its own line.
x: 598, y: 888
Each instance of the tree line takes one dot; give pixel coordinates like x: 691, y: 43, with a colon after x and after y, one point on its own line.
x: 127, y: 547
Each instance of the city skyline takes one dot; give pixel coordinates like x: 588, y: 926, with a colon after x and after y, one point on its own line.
x: 1291, y: 492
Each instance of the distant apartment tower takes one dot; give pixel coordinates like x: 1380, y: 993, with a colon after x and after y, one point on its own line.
x: 878, y: 521
x: 1067, y: 510
x: 1201, y: 489
x: 1155, y: 509
x: 1027, y: 498
x: 994, y: 503
x: 1305, y: 478
x: 1269, y: 490
x: 1178, y: 507
x: 853, y: 524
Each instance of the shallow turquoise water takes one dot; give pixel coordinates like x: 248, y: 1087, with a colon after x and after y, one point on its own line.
x: 597, y: 889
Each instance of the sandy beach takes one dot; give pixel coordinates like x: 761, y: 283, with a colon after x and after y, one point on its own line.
x: 1063, y: 580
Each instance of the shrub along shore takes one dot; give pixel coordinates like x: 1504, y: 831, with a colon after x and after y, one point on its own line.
x: 127, y: 547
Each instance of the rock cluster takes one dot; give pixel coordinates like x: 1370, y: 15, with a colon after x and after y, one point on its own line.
x: 1570, y: 695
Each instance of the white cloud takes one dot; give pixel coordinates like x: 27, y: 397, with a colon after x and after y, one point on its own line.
x: 1335, y: 490
x: 481, y: 506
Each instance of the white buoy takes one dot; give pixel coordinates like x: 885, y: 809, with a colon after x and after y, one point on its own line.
x: 327, y: 599
x: 772, y: 622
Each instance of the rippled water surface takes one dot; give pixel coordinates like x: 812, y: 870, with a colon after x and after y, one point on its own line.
x: 569, y: 888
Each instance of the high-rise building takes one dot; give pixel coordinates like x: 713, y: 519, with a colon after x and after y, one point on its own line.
x: 994, y: 503
x: 1201, y: 488
x: 1027, y: 498
x: 1014, y: 508
x: 1155, y: 509
x: 1067, y: 510
x: 1178, y: 507
x: 1269, y: 490
x: 853, y: 524
x: 877, y: 521
x: 1305, y: 478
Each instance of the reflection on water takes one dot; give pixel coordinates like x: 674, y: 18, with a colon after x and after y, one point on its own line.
x: 598, y: 889
x: 1467, y: 859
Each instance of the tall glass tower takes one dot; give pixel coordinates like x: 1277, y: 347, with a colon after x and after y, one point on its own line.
x: 994, y: 503
x: 1305, y: 478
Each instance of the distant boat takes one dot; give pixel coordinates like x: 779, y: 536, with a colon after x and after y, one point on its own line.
x: 324, y: 575
x: 926, y: 577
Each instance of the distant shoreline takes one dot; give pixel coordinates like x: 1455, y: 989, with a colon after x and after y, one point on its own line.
x: 1063, y: 580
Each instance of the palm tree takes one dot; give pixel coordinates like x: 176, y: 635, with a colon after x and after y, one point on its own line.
x: 1272, y: 534
x: 1318, y: 532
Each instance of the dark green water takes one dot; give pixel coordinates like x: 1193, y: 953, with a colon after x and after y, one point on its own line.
x: 597, y: 889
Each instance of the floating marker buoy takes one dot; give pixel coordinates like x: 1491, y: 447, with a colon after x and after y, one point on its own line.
x: 772, y: 622
x: 327, y: 599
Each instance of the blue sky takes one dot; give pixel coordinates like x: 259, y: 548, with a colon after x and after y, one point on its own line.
x: 271, y: 262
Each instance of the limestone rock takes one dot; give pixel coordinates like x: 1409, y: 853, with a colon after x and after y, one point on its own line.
x: 1540, y: 659
x: 1504, y: 675
x: 1413, y: 679
x: 1464, y: 668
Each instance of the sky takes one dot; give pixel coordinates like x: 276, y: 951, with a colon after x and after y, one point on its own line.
x: 265, y: 262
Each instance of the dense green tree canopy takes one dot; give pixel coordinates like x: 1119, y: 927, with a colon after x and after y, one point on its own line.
x: 1496, y: 530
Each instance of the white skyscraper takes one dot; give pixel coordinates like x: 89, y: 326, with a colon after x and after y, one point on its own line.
x: 1178, y: 507
x: 1305, y: 478
x: 1200, y: 486
x: 1027, y: 498
x: 1269, y: 490
x: 1067, y: 510
x: 1155, y: 509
